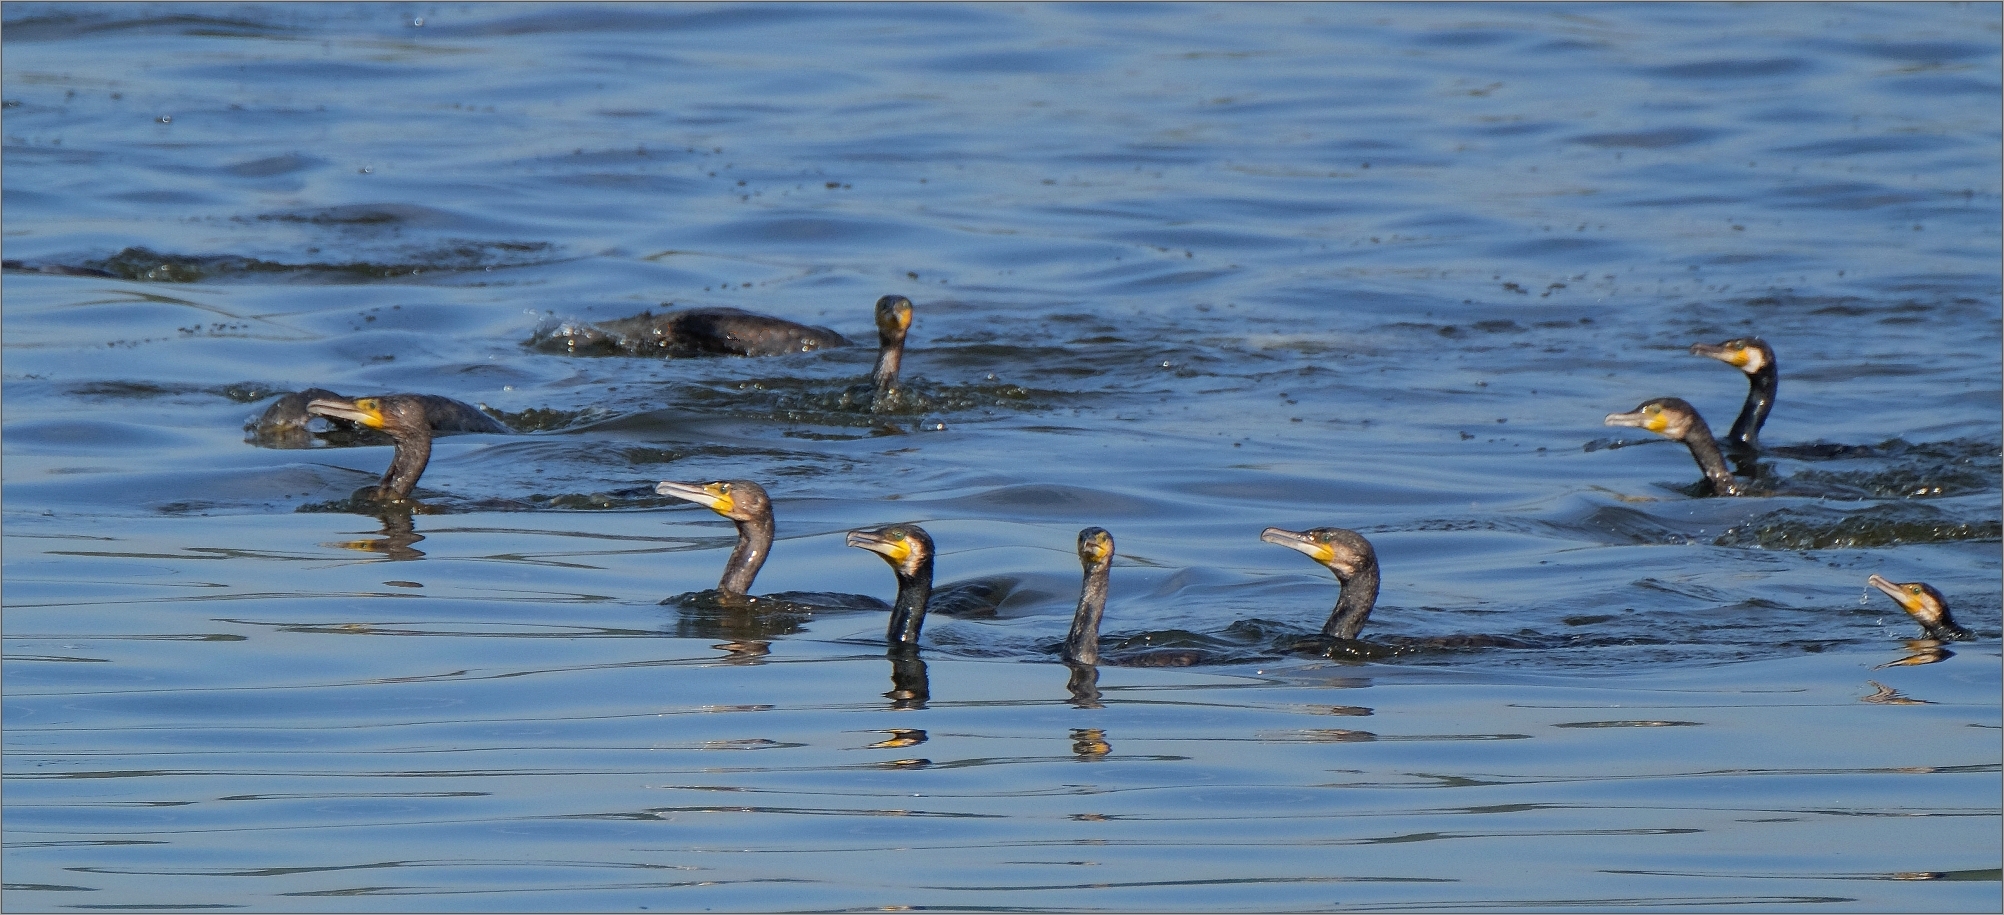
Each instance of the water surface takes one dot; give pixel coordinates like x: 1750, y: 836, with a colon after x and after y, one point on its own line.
x: 1181, y: 271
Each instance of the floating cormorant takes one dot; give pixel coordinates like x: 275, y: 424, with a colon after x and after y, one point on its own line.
x: 1753, y: 356
x: 1674, y: 419
x: 1926, y: 605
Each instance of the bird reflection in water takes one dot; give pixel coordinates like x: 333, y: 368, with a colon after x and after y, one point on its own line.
x: 1090, y: 743
x: 1920, y: 651
x: 737, y: 620
x: 900, y: 738
x: 1886, y: 695
x: 1084, y: 685
x: 398, y: 535
x: 909, y: 686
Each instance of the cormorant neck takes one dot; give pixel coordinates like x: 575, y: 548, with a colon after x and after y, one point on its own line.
x: 754, y: 542
x: 1745, y: 434
x: 1082, y: 645
x: 1353, y: 606
x: 1706, y: 451
x: 908, y: 614
x: 890, y: 353
x: 413, y: 453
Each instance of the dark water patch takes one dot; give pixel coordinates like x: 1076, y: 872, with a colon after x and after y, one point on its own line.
x: 1466, y: 38
x: 1730, y: 69
x: 549, y: 419
x: 365, y: 215
x: 1854, y: 146
x: 1659, y: 138
x: 807, y: 401
x: 89, y: 436
x: 1623, y: 525
x: 1819, y: 528
x: 131, y: 390
x: 273, y: 166
x: 1850, y: 195
x: 57, y: 269
x: 149, y: 266
x: 1955, y: 452
x: 69, y: 25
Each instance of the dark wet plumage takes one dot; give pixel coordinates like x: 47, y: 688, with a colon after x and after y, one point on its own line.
x: 1350, y: 556
x: 1753, y: 356
x: 746, y: 504
x: 908, y: 549
x: 1096, y: 556
x: 703, y: 331
x: 405, y: 419
x: 1676, y: 420
x: 1926, y: 605
x: 283, y: 424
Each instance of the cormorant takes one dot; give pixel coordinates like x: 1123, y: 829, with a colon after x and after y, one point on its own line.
x: 1096, y: 556
x: 908, y: 550
x: 894, y: 318
x: 1926, y: 605
x: 745, y: 503
x: 288, y: 415
x: 404, y: 418
x: 715, y: 331
x: 1674, y: 419
x: 1350, y: 556
x: 1753, y: 356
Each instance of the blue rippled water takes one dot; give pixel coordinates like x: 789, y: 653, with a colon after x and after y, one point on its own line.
x: 1182, y: 271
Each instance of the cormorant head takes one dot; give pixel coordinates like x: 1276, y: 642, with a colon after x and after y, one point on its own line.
x: 1922, y: 602
x: 907, y: 547
x: 1748, y: 354
x: 1344, y: 552
x: 738, y: 500
x: 894, y: 317
x: 1669, y: 417
x: 392, y: 413
x: 1095, y: 547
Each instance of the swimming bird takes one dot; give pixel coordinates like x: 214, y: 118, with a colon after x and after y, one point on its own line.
x: 1350, y: 556
x: 1926, y: 605
x: 404, y: 418
x: 909, y: 551
x: 288, y: 415
x: 1753, y: 356
x: 717, y: 331
x: 746, y: 504
x: 894, y: 319
x: 1674, y: 419
x: 1096, y: 556
x: 705, y: 331
x: 1081, y: 648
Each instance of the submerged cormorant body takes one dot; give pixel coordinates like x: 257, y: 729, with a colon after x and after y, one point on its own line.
x: 1676, y: 420
x: 285, y: 420
x: 711, y: 331
x: 1753, y: 356
x: 1926, y: 605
